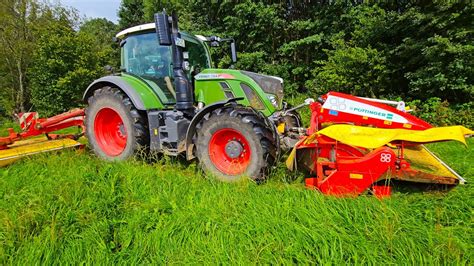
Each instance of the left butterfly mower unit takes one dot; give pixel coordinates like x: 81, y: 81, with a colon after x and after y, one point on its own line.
x: 27, y: 142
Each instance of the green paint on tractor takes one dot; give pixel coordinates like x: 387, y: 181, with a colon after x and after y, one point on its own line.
x: 211, y: 86
x: 148, y: 96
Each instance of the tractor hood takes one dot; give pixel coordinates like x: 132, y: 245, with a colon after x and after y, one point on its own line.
x: 269, y: 84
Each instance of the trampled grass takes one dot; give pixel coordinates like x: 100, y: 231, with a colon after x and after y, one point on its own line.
x: 70, y: 208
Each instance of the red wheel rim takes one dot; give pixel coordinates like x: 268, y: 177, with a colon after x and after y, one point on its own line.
x: 110, y: 132
x: 229, y: 151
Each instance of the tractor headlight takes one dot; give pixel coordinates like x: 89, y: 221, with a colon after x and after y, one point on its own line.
x: 273, y: 99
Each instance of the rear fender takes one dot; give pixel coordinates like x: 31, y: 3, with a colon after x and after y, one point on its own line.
x: 143, y: 98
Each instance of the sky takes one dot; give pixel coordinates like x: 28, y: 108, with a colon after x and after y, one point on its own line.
x: 95, y: 8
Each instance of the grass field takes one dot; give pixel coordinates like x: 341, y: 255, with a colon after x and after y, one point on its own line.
x: 70, y: 208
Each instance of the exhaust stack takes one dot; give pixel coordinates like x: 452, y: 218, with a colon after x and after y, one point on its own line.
x: 168, y: 34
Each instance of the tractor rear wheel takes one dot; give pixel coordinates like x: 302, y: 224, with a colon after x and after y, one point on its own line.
x: 234, y: 142
x: 115, y: 128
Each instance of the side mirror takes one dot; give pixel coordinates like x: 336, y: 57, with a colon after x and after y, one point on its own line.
x: 214, y: 41
x: 163, y: 28
x: 233, y: 52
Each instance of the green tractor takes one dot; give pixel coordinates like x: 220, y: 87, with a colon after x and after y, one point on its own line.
x: 167, y: 98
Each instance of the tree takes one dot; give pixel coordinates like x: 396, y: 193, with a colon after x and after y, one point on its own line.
x: 102, y: 29
x: 403, y: 48
x: 355, y: 70
x: 131, y: 13
x: 65, y: 63
x: 436, y: 54
x: 16, y: 48
x: 101, y: 32
x: 21, y: 22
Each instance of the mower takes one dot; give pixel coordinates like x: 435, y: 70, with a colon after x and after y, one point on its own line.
x: 19, y: 144
x: 167, y: 98
x: 355, y: 145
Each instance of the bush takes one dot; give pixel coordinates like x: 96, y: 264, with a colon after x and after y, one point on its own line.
x: 354, y: 70
x: 464, y: 114
x: 440, y: 113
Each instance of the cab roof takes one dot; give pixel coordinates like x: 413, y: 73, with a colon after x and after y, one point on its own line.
x: 145, y: 27
x: 138, y: 28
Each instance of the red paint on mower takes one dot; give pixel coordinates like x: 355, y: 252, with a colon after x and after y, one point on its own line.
x: 382, y: 191
x: 340, y: 108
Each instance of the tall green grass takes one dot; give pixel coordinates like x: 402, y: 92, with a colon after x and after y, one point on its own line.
x: 70, y: 208
x: 5, y: 124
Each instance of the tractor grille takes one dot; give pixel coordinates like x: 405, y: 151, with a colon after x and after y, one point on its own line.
x: 268, y: 84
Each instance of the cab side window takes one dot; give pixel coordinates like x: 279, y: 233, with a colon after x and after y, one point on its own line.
x: 143, y: 57
x: 197, y: 56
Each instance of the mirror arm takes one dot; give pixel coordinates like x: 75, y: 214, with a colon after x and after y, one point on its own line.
x: 214, y: 41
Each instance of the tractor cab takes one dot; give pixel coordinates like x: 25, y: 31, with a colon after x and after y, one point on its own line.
x: 142, y: 56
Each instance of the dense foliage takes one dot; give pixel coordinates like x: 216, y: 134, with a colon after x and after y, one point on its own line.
x: 65, y: 63
x: 414, y: 50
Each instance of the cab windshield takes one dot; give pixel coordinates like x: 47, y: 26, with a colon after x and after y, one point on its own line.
x: 143, y: 56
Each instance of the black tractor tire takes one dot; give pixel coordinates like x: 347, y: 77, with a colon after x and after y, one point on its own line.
x: 109, y: 104
x: 255, y: 131
x: 293, y: 119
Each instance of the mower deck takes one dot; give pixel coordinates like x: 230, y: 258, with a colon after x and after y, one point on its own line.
x: 28, y: 147
x: 428, y: 168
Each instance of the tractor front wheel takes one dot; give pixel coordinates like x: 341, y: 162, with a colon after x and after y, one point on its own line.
x: 234, y: 142
x: 115, y: 129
